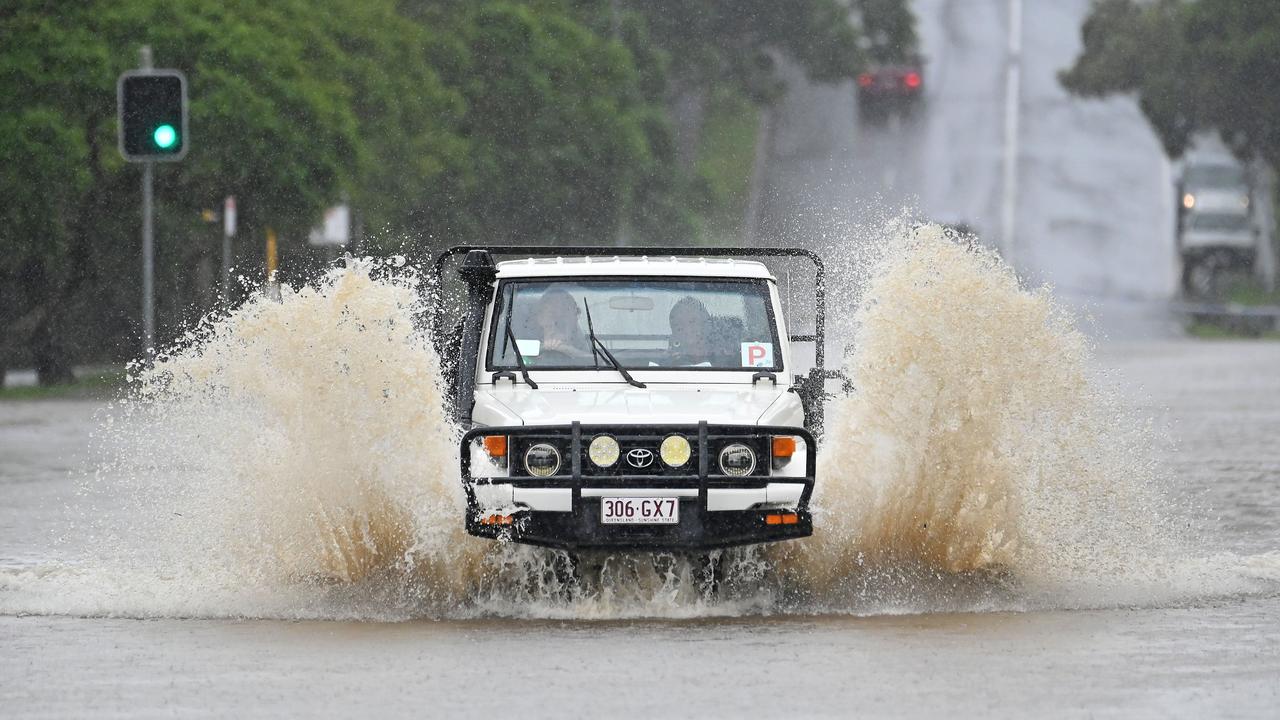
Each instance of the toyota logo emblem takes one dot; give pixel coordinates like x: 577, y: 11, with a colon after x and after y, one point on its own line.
x: 640, y: 458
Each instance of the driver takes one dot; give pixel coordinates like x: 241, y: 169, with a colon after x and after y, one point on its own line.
x: 557, y: 316
x: 690, y: 332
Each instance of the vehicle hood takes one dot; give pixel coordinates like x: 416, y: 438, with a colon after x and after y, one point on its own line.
x: 736, y: 404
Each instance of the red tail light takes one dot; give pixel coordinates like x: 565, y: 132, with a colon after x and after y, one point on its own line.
x: 865, y: 80
x: 912, y: 80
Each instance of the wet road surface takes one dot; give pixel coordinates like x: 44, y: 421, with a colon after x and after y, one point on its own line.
x: 1212, y: 654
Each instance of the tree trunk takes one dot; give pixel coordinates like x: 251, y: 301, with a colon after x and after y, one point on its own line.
x: 759, y: 172
x: 52, y: 365
x: 688, y: 112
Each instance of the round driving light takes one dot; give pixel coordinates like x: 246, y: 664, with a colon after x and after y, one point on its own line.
x: 675, y: 450
x: 737, y: 459
x: 603, y: 451
x: 542, y: 460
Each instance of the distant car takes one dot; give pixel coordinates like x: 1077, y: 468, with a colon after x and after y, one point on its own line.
x: 884, y: 89
x: 1219, y: 183
x: 1217, y: 234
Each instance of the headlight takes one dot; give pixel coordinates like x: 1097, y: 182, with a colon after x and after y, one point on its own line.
x: 542, y: 460
x: 675, y: 450
x: 737, y: 459
x: 1188, y: 201
x: 603, y: 451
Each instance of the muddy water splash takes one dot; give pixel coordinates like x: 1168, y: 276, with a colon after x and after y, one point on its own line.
x: 978, y: 454
x: 297, y: 447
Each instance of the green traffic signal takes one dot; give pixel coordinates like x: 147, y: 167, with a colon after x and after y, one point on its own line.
x: 165, y: 136
x: 152, y: 107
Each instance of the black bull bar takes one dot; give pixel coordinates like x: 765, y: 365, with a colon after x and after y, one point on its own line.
x: 698, y: 529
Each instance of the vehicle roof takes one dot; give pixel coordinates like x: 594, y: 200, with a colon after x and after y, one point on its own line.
x: 642, y: 265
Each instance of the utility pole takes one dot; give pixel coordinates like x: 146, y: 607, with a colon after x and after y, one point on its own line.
x: 1012, y: 101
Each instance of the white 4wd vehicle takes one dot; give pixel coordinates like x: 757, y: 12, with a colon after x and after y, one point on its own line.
x: 639, y: 399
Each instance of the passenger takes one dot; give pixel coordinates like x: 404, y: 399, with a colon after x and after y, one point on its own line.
x: 690, y: 332
x: 557, y: 317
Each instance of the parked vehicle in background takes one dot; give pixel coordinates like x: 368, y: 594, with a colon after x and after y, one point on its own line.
x: 1217, y: 233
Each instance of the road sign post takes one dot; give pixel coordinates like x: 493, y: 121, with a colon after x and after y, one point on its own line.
x: 152, y: 119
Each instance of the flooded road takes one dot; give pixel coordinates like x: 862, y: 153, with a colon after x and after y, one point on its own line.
x: 1219, y: 659
x: 1209, y: 647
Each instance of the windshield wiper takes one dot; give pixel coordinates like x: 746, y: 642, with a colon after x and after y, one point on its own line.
x: 596, y: 343
x: 511, y: 338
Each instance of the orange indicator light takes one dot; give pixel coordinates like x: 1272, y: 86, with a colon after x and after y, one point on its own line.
x: 495, y: 445
x: 784, y: 446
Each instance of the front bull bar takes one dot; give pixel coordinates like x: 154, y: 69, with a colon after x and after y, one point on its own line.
x: 575, y: 529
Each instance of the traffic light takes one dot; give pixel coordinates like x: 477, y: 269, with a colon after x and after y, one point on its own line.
x: 153, y: 115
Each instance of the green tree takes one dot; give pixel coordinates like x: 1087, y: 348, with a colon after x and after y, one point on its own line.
x: 555, y: 121
x: 736, y: 42
x: 441, y: 120
x: 1194, y: 66
x: 888, y: 30
x: 293, y: 103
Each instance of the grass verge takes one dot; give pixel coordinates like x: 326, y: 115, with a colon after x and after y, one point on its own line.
x: 97, y: 384
x: 1215, y: 331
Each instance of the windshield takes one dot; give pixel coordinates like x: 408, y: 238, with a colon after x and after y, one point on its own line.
x: 647, y: 323
x: 1222, y: 176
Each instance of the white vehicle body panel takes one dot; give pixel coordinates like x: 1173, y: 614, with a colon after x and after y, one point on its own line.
x: 507, y: 498
x: 609, y: 404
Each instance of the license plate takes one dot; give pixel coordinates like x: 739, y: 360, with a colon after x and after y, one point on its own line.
x: 639, y: 511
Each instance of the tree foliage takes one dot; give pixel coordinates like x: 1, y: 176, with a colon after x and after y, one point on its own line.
x: 442, y: 121
x: 292, y: 105
x: 888, y: 30
x: 554, y: 120
x: 736, y: 42
x: 1194, y: 66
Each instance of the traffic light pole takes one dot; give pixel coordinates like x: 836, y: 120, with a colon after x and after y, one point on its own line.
x: 151, y: 113
x: 148, y: 265
x: 148, y: 241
